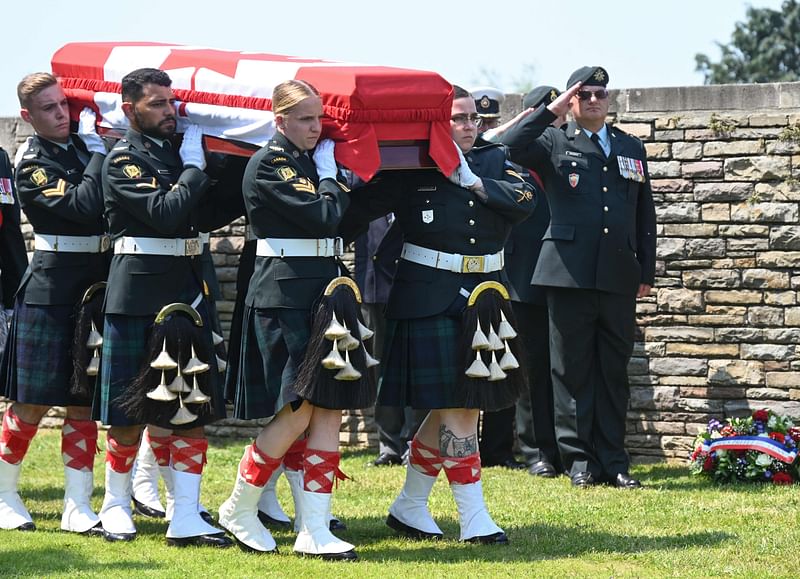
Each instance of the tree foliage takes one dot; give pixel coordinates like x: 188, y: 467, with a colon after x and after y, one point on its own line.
x: 764, y: 48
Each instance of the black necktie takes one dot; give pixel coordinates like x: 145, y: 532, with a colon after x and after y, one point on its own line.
x: 596, y: 140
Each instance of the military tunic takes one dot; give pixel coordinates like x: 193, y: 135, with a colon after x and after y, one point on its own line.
x: 599, y: 247
x: 149, y: 194
x: 61, y: 196
x: 284, y: 198
x: 13, y: 259
x: 422, y: 365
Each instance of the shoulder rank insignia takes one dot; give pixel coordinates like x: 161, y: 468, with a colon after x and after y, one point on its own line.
x: 286, y: 173
x: 132, y: 171
x: 39, y: 177
x: 279, y: 159
x: 275, y: 148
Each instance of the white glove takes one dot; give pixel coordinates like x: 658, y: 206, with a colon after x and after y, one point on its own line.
x: 463, y: 176
x: 88, y: 133
x: 191, y: 150
x: 324, y: 159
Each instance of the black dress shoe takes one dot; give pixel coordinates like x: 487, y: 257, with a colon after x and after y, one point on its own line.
x: 145, y: 511
x: 336, y: 525
x: 583, y: 479
x: 218, y: 540
x: 116, y: 537
x: 409, y: 531
x: 268, y: 521
x: 543, y: 469
x: 26, y: 527
x: 346, y: 556
x: 625, y: 481
x: 249, y: 549
x: 493, y: 539
x: 386, y: 459
x: 96, y: 531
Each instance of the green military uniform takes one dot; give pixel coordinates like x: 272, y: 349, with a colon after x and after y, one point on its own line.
x: 597, y: 250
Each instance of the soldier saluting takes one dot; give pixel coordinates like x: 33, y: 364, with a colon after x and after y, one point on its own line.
x: 597, y: 257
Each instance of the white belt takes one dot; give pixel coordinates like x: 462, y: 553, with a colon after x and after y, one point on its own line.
x: 275, y: 247
x: 156, y: 246
x: 454, y: 262
x: 71, y: 243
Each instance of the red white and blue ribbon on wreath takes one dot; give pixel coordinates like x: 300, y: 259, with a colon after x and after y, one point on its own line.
x: 763, y: 444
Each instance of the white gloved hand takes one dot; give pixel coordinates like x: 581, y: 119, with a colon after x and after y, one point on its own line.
x: 325, y: 160
x: 191, y: 150
x: 463, y: 176
x: 88, y: 133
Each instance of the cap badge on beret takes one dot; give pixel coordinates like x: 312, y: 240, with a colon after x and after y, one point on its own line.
x: 553, y: 95
x: 599, y: 75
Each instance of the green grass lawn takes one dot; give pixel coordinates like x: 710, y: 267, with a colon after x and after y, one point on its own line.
x: 677, y: 526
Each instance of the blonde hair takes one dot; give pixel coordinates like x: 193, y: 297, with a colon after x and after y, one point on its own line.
x: 33, y: 84
x: 289, y: 93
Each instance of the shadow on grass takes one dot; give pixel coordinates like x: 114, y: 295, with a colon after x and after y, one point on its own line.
x: 62, y: 563
x: 532, y: 542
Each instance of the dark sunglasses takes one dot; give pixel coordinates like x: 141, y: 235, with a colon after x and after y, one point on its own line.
x: 599, y: 94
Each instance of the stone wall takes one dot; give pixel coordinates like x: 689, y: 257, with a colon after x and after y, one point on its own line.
x: 719, y: 335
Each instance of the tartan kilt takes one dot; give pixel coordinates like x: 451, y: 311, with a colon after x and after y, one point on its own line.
x: 423, y: 368
x: 124, y: 351
x: 37, y: 362
x: 273, y: 345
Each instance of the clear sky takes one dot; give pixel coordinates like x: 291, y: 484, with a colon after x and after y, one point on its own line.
x: 642, y: 43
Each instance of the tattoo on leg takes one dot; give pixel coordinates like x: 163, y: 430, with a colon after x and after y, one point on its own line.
x: 460, y: 446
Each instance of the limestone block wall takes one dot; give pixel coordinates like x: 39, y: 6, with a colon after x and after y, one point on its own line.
x: 719, y: 335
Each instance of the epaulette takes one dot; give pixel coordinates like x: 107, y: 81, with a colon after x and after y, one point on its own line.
x: 487, y: 147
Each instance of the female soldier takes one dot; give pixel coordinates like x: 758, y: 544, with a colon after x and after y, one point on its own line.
x: 454, y: 230
x: 294, y: 206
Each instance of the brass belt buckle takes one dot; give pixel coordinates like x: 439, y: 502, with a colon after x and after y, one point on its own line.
x: 472, y: 264
x: 105, y: 243
x: 192, y: 247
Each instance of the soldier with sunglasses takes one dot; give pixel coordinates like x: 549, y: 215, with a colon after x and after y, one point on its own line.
x: 597, y: 257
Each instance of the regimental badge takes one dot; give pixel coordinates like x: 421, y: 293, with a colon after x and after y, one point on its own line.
x: 553, y: 95
x: 599, y: 75
x: 39, y: 177
x: 132, y: 171
x: 524, y: 195
x: 427, y: 216
x: 485, y: 102
x: 286, y: 173
x: 573, y: 179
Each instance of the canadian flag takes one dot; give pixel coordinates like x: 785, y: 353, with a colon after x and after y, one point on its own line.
x: 228, y: 93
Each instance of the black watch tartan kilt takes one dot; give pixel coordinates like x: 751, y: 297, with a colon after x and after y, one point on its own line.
x: 124, y: 351
x: 423, y: 367
x: 37, y: 363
